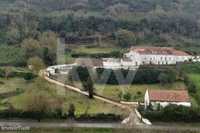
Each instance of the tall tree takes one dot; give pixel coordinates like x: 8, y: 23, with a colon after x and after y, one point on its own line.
x: 71, y: 110
x: 125, y: 38
x: 8, y: 71
x: 36, y: 64
x: 89, y: 86
x: 48, y: 41
x: 31, y: 46
x: 38, y: 104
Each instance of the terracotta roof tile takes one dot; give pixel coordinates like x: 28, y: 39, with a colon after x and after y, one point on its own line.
x: 159, y: 51
x: 169, y: 95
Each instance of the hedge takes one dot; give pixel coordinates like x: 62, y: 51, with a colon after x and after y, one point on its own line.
x: 99, y: 117
x: 10, y: 114
x: 173, y: 113
x: 114, y: 54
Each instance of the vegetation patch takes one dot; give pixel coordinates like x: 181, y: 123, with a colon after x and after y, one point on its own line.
x: 136, y: 91
x: 12, y: 56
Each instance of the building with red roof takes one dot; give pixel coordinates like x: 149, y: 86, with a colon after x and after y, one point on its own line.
x: 166, y: 97
x: 157, y: 55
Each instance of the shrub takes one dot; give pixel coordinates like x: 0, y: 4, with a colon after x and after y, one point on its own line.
x: 29, y: 76
x: 19, y: 90
x: 12, y: 56
x: 127, y: 96
x: 71, y: 110
x: 120, y: 94
x: 100, y: 117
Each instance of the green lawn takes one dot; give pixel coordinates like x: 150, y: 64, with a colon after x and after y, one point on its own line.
x: 192, y: 71
x: 11, y: 84
x: 82, y: 103
x: 137, y: 91
x: 195, y: 78
x: 93, y: 50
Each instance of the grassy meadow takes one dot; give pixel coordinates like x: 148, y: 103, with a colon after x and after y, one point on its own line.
x: 137, y: 91
x: 82, y: 104
x: 93, y: 50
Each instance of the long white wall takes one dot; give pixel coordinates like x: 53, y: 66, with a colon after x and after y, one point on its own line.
x: 164, y: 104
x: 156, y: 59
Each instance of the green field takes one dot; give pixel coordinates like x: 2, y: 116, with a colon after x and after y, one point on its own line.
x: 137, y: 91
x: 192, y: 72
x: 93, y: 50
x: 82, y: 104
x: 196, y: 79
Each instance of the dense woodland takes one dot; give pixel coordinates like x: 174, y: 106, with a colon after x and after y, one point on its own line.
x: 34, y: 25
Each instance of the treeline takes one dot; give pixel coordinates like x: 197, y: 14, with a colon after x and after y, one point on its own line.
x: 96, y: 5
x: 113, y: 54
x: 127, y: 22
x: 181, y: 24
x: 108, y: 76
x: 58, y: 114
x: 173, y: 113
x: 14, y: 56
x: 18, y: 26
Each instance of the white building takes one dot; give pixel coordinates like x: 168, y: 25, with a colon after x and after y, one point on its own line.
x: 113, y: 63
x: 166, y: 97
x: 62, y: 69
x: 157, y: 55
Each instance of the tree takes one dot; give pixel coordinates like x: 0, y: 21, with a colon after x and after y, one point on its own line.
x: 31, y: 46
x: 29, y: 76
x: 125, y: 38
x: 167, y: 77
x: 171, y: 76
x: 71, y: 110
x: 42, y: 101
x: 163, y: 78
x: 36, y: 64
x: 13, y: 35
x: 48, y: 41
x: 89, y: 86
x: 120, y: 94
x: 127, y: 96
x: 38, y: 104
x: 8, y: 72
x: 192, y: 87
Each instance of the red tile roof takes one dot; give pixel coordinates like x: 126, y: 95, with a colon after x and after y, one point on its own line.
x: 169, y: 95
x: 159, y: 51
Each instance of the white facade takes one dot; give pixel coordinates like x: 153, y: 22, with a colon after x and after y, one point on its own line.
x: 157, y: 59
x: 111, y: 63
x: 163, y: 104
x: 63, y: 69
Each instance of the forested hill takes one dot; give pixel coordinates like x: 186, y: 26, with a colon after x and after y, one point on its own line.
x: 100, y: 5
x: 132, y: 6
x: 160, y: 22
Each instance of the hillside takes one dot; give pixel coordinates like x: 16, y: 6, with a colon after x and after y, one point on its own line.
x: 121, y: 23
